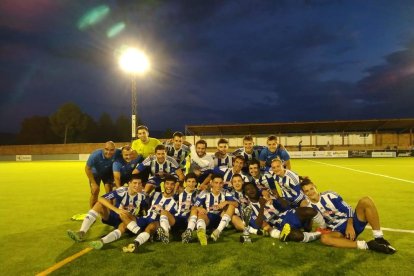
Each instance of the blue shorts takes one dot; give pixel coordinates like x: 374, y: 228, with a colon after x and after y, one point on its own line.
x: 143, y: 222
x: 289, y: 217
x: 113, y: 219
x: 253, y: 224
x: 214, y: 220
x: 359, y: 226
x: 106, y: 179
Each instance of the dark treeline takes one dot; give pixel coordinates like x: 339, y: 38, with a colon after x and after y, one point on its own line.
x: 69, y: 124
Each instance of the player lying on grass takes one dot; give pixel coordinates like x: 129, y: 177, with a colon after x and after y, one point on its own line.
x: 159, y: 219
x: 276, y: 218
x: 212, y: 210
x: 128, y: 200
x: 345, y: 223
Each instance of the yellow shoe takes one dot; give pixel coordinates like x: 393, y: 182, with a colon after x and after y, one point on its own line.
x: 79, y: 217
x: 202, y: 237
x: 285, y: 232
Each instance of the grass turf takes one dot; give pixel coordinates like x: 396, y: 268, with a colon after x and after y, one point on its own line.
x: 38, y: 199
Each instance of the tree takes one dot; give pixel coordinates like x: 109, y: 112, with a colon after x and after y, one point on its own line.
x: 68, y: 121
x: 168, y: 133
x: 106, y: 128
x: 123, y: 128
x: 90, y: 134
x: 36, y: 130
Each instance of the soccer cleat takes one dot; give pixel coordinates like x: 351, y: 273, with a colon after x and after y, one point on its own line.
x: 162, y: 235
x: 285, y: 232
x: 215, y: 235
x: 375, y: 246
x: 131, y: 248
x: 79, y: 217
x: 76, y: 236
x: 96, y: 244
x: 382, y: 241
x: 202, y: 237
x: 186, y: 236
x: 245, y: 239
x: 260, y: 232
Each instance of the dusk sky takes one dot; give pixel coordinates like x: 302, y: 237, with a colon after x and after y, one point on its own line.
x: 213, y: 62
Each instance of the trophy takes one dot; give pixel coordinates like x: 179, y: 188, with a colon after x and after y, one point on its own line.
x: 247, y: 213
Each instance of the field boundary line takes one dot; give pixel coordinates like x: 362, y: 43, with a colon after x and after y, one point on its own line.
x: 361, y: 171
x: 64, y: 261
x: 393, y: 230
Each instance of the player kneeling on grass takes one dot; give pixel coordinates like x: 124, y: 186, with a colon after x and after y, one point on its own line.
x: 211, y: 210
x: 276, y: 218
x: 128, y: 200
x: 159, y: 219
x: 345, y: 223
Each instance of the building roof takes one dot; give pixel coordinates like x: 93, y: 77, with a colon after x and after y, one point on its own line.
x: 381, y: 125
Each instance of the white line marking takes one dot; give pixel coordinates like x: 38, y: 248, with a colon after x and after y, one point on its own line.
x: 394, y: 230
x: 360, y: 171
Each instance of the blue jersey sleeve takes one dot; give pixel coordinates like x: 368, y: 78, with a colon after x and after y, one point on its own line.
x: 284, y: 155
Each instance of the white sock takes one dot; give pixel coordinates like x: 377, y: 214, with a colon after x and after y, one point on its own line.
x: 362, y: 245
x: 165, y: 224
x: 113, y: 236
x: 133, y: 227
x: 201, y: 224
x: 89, y: 220
x: 192, y: 222
x: 310, y: 236
x: 274, y: 233
x: 252, y: 230
x: 142, y: 238
x: 377, y: 233
x: 225, y: 220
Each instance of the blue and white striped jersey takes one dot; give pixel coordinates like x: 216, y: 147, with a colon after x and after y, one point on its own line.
x: 225, y: 162
x: 156, y: 169
x: 160, y: 202
x: 248, y: 156
x: 290, y: 186
x: 185, y: 201
x: 227, y: 174
x: 125, y: 201
x: 179, y: 155
x: 209, y: 201
x: 333, y: 209
x: 271, y: 212
x: 264, y: 182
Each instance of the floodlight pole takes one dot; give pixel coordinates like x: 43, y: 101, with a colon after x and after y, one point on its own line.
x: 133, y: 106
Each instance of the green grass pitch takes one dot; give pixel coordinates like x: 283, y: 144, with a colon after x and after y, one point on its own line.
x: 38, y: 199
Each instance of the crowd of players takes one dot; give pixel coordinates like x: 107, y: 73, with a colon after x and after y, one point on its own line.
x: 155, y: 191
